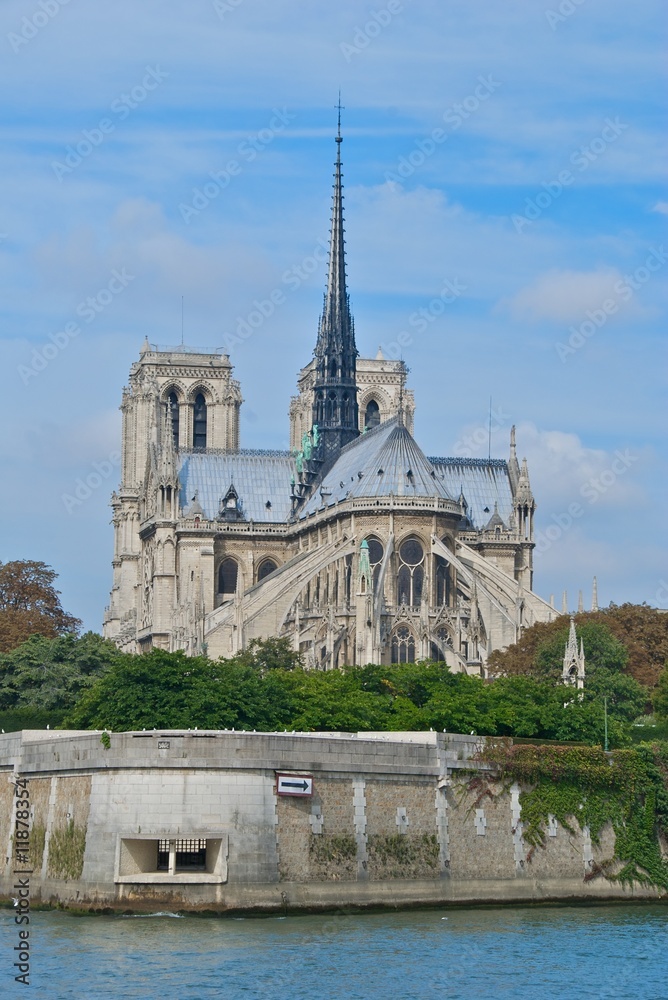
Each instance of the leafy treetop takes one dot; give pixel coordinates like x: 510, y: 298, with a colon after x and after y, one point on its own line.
x: 30, y: 605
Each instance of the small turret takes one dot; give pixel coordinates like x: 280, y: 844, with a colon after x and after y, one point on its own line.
x: 496, y: 521
x: 513, y: 464
x: 573, y: 672
x: 524, y: 504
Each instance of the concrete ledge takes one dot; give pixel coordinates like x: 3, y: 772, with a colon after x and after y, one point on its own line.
x: 339, y: 897
x: 161, y: 878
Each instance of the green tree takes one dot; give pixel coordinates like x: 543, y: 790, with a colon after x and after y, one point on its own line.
x: 49, y: 675
x: 602, y: 650
x: 641, y: 630
x: 660, y: 696
x: 270, y: 654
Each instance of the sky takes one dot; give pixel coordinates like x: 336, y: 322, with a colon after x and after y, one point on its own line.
x: 506, y: 203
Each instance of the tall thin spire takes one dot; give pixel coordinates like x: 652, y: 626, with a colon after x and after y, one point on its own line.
x: 336, y: 324
x: 594, y: 596
x: 335, y: 407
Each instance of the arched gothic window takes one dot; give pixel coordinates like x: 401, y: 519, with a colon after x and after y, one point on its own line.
x: 375, y: 559
x: 371, y: 414
x: 403, y: 646
x: 173, y: 410
x: 442, y: 581
x: 267, y: 567
x: 438, y: 647
x: 228, y: 571
x: 410, y: 576
x: 199, y: 422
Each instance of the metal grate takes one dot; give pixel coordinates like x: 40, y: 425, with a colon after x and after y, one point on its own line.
x: 190, y: 855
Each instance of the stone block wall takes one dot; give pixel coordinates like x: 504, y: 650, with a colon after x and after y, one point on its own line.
x: 393, y: 819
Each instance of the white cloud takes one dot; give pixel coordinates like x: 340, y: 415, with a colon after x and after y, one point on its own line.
x: 661, y: 207
x: 563, y: 296
x: 564, y: 471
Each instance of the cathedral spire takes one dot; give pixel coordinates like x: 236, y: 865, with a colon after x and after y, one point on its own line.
x: 335, y: 409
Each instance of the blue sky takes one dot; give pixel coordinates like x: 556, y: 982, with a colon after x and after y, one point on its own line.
x: 511, y: 149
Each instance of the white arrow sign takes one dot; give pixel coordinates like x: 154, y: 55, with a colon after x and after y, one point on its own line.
x: 294, y: 784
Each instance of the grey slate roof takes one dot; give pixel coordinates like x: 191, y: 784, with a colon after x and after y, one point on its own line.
x: 384, y: 461
x: 258, y: 477
x: 485, y: 481
x: 264, y: 476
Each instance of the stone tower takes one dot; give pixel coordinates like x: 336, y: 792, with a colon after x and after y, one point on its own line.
x: 178, y: 399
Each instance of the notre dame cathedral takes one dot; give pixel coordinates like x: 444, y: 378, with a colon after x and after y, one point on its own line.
x: 354, y: 544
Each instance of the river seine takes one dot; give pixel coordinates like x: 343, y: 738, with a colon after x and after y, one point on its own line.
x: 566, y: 952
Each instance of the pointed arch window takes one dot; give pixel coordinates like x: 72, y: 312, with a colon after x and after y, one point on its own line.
x: 439, y: 644
x: 371, y: 415
x: 403, y: 646
x: 228, y: 573
x: 376, y: 553
x: 199, y: 422
x: 267, y: 567
x: 442, y: 581
x: 410, y: 575
x: 173, y: 409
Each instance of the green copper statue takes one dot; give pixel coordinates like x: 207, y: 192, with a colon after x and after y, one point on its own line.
x: 307, y: 447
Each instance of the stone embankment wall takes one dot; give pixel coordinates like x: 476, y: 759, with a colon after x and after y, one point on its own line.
x: 393, y: 819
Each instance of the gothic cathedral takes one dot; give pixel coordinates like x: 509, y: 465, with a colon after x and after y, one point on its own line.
x: 353, y: 544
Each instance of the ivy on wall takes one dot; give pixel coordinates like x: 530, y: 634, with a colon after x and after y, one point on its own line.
x: 627, y: 788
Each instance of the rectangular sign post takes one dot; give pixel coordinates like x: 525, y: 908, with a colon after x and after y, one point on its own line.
x: 294, y: 784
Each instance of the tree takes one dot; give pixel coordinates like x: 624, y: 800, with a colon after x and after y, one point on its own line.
x: 641, y: 630
x: 270, y: 654
x: 644, y: 632
x: 52, y: 674
x: 602, y: 651
x: 30, y: 605
x: 660, y: 696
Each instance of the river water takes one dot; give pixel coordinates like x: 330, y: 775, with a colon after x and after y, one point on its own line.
x: 566, y: 952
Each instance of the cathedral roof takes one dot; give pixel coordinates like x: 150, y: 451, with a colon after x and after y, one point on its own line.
x: 385, y: 461
x: 261, y: 480
x: 484, y: 482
